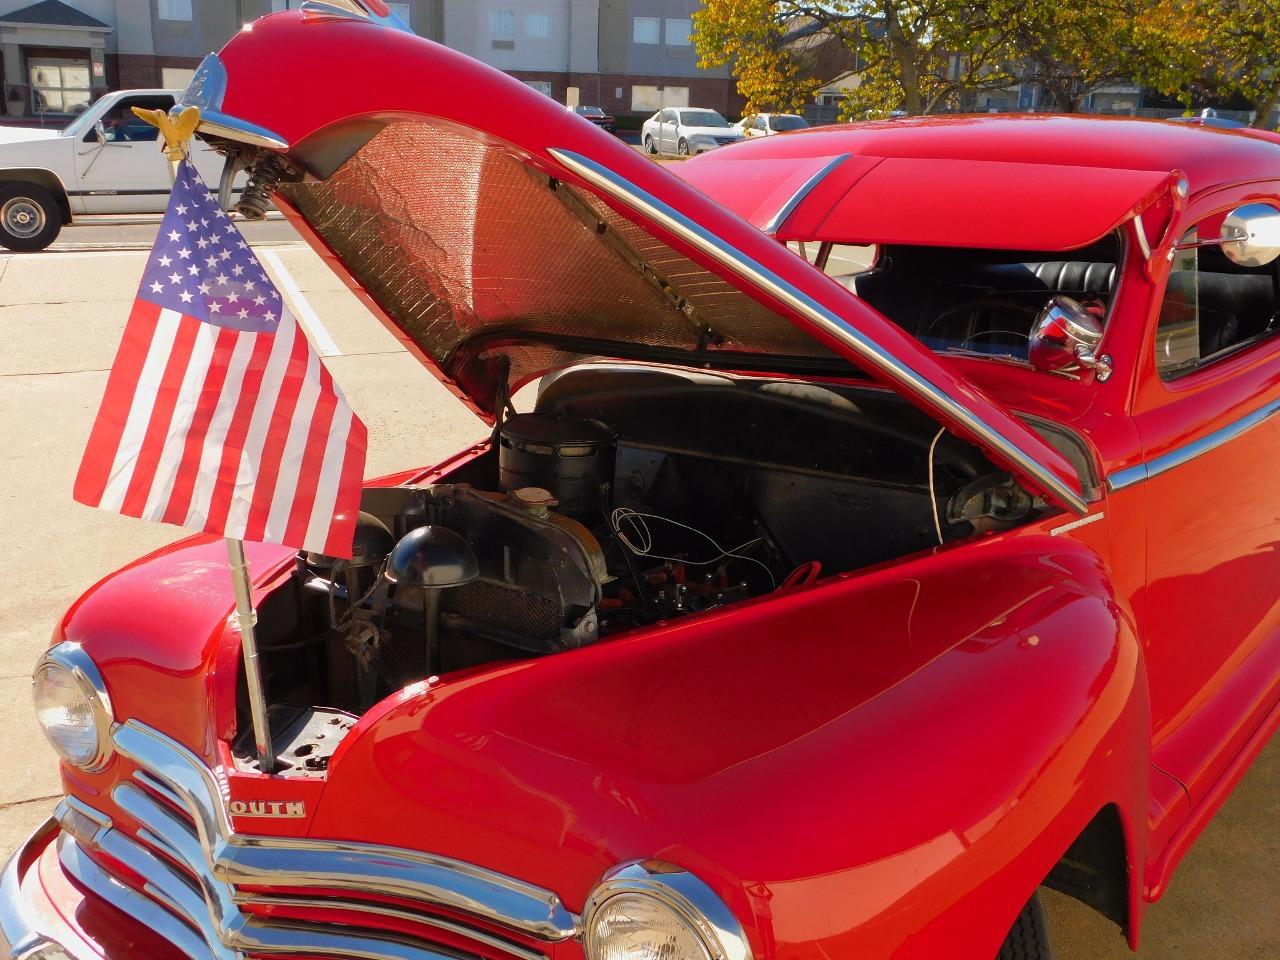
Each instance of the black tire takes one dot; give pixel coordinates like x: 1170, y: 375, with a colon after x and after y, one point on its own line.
x: 683, y: 147
x: 648, y: 145
x: 1029, y: 937
x: 30, y: 219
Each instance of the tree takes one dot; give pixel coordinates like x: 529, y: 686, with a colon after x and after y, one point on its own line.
x: 1075, y: 47
x: 1224, y: 48
x: 921, y: 56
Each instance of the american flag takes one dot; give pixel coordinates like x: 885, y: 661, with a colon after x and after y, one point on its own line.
x: 218, y: 414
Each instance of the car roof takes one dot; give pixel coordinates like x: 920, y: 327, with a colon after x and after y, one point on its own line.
x: 1208, y: 156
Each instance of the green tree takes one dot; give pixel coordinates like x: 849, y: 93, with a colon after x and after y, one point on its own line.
x: 1221, y: 49
x: 918, y: 55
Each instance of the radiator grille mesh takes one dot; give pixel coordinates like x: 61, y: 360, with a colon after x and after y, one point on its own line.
x: 505, y: 608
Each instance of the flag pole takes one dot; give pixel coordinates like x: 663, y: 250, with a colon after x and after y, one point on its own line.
x: 247, y: 617
x: 178, y: 127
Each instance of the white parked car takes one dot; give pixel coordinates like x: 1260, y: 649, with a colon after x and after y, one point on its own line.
x: 686, y: 131
x: 106, y: 160
x: 767, y: 124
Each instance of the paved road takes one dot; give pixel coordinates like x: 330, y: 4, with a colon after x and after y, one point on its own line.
x: 61, y: 314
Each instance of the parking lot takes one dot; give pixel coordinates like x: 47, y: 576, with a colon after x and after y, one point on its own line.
x: 62, y: 312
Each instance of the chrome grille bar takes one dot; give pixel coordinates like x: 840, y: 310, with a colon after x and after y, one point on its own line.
x: 339, y: 865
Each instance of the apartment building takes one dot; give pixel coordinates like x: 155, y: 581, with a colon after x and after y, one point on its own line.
x: 629, y: 56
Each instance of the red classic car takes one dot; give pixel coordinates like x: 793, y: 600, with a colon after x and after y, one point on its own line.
x: 799, y: 618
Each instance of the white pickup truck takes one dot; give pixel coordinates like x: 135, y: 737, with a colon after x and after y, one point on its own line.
x: 106, y: 160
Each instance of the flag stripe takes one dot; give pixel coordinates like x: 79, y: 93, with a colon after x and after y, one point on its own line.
x: 139, y: 417
x: 240, y: 454
x: 273, y: 445
x: 343, y: 517
x: 285, y: 368
x: 108, y: 427
x: 298, y: 432
x: 184, y: 475
x: 315, y: 458
x: 251, y: 352
x: 164, y: 415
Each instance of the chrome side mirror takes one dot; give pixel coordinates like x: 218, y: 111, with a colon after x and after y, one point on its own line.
x: 100, y: 131
x: 1065, y: 339
x: 1251, y: 235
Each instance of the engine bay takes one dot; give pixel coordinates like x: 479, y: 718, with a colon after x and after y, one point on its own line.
x: 627, y: 498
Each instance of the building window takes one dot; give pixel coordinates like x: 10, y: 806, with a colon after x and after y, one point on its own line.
x: 678, y: 32
x: 59, y: 86
x: 542, y: 86
x: 175, y: 10
x: 278, y: 5
x: 502, y: 24
x: 403, y: 11
x: 650, y: 99
x: 538, y: 25
x: 646, y: 30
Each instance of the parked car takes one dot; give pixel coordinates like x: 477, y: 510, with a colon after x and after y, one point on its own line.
x: 106, y: 160
x: 686, y: 131
x: 793, y: 621
x: 598, y: 117
x: 767, y: 124
x: 1208, y: 117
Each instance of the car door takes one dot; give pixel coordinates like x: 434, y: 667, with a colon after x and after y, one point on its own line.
x: 667, y: 131
x: 1212, y: 491
x: 126, y: 172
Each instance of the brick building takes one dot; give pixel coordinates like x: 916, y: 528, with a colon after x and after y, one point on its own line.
x: 629, y: 56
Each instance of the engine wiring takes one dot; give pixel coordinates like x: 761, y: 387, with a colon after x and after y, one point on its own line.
x: 640, y: 540
x: 933, y: 497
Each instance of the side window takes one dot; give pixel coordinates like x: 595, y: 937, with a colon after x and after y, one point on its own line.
x: 122, y: 126
x: 1211, y: 305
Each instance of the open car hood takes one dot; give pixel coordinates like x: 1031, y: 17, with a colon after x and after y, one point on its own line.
x: 499, y: 236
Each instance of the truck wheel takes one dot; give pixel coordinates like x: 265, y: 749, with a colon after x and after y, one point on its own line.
x: 29, y: 217
x: 1029, y: 937
x: 648, y: 146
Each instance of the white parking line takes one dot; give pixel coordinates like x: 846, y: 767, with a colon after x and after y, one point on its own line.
x: 310, y: 321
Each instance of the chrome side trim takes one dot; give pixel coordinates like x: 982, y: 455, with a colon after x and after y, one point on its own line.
x: 206, y: 90
x: 1190, y: 451
x: 218, y: 852
x: 778, y: 219
x: 875, y: 356
x: 684, y: 893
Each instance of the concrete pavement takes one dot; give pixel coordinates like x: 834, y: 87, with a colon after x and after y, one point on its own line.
x: 61, y: 314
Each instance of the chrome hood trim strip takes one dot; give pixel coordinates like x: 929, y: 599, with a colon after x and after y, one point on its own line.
x: 867, y: 350
x: 217, y: 852
x: 779, y: 219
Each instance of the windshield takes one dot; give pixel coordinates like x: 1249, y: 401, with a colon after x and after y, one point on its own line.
x: 788, y: 121
x: 702, y: 118
x: 590, y: 112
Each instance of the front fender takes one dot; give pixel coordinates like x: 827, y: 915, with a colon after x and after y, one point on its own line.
x: 884, y: 765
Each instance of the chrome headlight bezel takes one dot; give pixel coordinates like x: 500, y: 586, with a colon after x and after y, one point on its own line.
x: 679, y: 891
x: 71, y: 659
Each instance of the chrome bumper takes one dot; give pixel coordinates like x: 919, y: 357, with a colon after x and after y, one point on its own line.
x: 21, y: 934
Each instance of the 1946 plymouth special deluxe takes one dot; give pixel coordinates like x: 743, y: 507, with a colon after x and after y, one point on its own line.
x: 798, y: 619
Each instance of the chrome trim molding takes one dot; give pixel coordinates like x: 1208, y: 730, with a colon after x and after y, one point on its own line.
x: 206, y: 90
x: 1189, y: 451
x: 679, y: 890
x: 777, y: 221
x: 70, y: 656
x: 607, y: 181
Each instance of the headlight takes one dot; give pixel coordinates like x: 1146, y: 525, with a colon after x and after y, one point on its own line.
x: 648, y: 910
x: 72, y: 706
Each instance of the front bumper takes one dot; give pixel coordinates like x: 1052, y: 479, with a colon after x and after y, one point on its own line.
x: 43, y: 916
